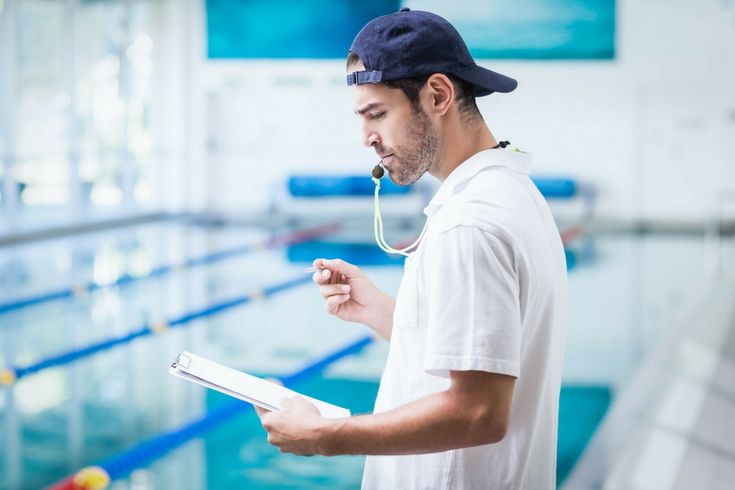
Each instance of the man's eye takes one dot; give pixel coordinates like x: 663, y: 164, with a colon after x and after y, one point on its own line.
x: 377, y: 115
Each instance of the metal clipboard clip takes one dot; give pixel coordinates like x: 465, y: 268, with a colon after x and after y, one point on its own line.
x: 181, y: 360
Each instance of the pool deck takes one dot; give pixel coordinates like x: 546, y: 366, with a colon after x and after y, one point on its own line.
x: 673, y: 425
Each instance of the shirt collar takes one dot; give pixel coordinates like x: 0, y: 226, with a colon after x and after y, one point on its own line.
x: 516, y: 161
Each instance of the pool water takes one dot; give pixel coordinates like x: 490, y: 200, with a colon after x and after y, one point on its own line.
x: 54, y: 422
x: 237, y: 454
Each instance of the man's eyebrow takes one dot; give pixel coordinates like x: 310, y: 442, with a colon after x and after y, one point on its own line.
x: 368, y: 107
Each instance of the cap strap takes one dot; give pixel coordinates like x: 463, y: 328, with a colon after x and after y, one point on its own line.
x: 358, y: 77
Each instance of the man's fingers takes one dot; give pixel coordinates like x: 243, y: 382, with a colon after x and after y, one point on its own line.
x: 290, y: 402
x: 266, y: 415
x: 299, y: 403
x: 275, y: 381
x: 334, y: 270
x: 322, y: 276
x: 261, y: 411
x: 332, y: 289
x: 345, y: 268
x: 332, y: 303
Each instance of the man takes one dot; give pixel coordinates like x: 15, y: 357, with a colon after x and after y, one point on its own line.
x: 469, y: 395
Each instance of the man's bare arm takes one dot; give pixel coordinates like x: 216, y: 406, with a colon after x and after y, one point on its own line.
x: 472, y: 412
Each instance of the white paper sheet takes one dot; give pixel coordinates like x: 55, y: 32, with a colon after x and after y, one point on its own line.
x: 244, y: 386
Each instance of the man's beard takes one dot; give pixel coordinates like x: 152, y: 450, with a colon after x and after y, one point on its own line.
x: 420, y: 153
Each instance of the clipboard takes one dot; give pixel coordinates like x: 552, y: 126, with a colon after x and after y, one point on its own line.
x: 243, y: 386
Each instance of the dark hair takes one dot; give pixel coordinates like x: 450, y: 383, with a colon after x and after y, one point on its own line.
x: 411, y: 86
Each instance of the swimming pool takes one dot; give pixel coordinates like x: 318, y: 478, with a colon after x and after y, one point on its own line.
x: 60, y: 419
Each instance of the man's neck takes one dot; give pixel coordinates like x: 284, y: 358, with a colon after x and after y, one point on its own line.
x: 460, y: 144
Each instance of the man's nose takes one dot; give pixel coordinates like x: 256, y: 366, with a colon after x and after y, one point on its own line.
x: 369, y: 137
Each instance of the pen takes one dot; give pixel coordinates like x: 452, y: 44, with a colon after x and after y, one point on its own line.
x: 314, y: 268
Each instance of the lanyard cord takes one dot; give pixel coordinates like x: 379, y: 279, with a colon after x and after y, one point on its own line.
x: 378, y: 224
x: 378, y: 228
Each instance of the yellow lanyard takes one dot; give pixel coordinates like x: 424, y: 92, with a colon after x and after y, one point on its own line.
x: 377, y: 173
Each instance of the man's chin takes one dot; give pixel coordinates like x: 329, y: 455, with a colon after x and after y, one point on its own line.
x: 402, y: 181
x: 398, y: 182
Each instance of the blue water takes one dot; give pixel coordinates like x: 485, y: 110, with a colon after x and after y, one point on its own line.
x: 62, y: 419
x: 238, y: 455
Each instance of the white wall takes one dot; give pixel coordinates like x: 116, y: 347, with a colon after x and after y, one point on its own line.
x: 652, y: 130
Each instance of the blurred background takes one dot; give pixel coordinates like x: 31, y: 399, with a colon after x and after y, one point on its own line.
x: 169, y: 167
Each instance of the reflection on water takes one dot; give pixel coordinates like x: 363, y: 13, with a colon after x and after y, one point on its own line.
x: 623, y: 291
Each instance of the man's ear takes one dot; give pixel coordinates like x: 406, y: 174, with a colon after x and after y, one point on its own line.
x: 440, y: 94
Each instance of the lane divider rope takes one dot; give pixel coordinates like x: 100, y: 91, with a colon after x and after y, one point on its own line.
x: 10, y: 375
x: 99, y: 476
x: 83, y: 289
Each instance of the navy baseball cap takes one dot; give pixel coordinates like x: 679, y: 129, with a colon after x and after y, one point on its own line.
x: 411, y: 43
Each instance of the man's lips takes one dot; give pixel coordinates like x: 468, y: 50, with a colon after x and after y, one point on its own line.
x: 385, y: 159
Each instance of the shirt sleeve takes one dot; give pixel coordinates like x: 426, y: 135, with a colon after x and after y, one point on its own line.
x: 472, y: 291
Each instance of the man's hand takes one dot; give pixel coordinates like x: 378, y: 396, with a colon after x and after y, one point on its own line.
x: 351, y: 296
x: 297, y: 428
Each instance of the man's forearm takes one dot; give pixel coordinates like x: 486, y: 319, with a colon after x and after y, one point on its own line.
x: 435, y: 423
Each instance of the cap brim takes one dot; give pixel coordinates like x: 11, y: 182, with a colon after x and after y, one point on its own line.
x: 486, y: 81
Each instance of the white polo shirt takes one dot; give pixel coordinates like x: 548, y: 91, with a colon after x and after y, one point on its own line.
x: 485, y: 290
